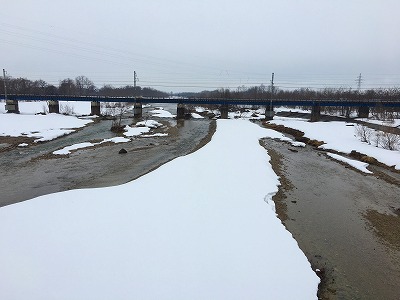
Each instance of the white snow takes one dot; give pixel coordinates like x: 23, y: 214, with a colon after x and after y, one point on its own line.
x: 290, y: 109
x: 143, y: 127
x: 43, y: 127
x: 337, y: 136
x: 78, y: 108
x: 48, y: 134
x: 32, y: 107
x: 161, y: 113
x: 134, y: 131
x: 246, y: 114
x: 394, y: 123
x: 149, y: 123
x: 68, y: 149
x: 197, y: 116
x: 200, y: 109
x: 116, y: 140
x: 154, y: 135
x: 23, y: 145
x: 198, y: 227
x: 354, y: 163
x: 298, y: 144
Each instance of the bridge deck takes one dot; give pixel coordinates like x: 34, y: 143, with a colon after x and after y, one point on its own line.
x: 217, y: 101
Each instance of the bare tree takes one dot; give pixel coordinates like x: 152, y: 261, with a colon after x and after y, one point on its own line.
x: 116, y: 111
x: 84, y: 85
x: 67, y: 87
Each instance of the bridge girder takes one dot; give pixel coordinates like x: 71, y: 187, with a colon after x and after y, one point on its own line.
x: 217, y: 101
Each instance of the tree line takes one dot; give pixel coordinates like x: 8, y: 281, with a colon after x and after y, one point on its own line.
x: 80, y: 86
x: 268, y: 92
x: 83, y: 86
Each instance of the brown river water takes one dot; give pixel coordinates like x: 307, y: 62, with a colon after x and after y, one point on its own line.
x: 324, y: 207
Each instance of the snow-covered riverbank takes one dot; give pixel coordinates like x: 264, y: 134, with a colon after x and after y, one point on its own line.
x: 340, y: 136
x: 33, y: 123
x: 199, y: 227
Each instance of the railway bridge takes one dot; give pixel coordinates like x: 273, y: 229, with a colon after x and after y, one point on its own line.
x: 363, y: 106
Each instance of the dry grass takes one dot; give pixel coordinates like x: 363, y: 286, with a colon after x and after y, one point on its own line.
x: 297, y: 134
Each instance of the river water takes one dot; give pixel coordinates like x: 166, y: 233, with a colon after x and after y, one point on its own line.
x: 326, y: 205
x: 24, y: 175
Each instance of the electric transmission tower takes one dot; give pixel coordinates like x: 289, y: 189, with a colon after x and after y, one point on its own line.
x: 135, y: 80
x: 272, y: 85
x: 359, y: 80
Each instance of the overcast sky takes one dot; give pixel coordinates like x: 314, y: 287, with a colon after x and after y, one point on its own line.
x: 185, y: 45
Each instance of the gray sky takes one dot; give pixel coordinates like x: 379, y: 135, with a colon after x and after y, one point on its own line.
x: 178, y: 45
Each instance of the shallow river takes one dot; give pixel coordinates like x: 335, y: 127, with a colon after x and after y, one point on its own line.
x: 24, y: 175
x: 326, y: 205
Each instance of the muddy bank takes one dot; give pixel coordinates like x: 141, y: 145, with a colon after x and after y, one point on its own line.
x: 327, y: 207
x: 27, y: 173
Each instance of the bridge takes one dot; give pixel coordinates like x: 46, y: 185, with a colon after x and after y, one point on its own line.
x: 316, y: 104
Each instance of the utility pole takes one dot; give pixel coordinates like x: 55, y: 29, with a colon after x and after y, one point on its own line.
x: 269, y: 111
x: 135, y: 79
x: 272, y: 90
x: 359, y: 80
x: 5, y: 85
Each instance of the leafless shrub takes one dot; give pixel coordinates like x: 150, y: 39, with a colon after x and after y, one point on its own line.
x: 389, y: 140
x: 377, y: 138
x: 364, y: 133
x: 67, y: 109
x: 384, y: 114
x: 385, y: 139
x: 116, y: 110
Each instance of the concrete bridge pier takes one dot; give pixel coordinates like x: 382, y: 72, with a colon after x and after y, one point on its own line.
x: 95, y: 108
x: 137, y: 110
x: 54, y: 107
x: 12, y: 106
x: 315, y: 113
x: 363, y: 112
x: 180, y: 111
x: 224, y: 111
x: 269, y: 112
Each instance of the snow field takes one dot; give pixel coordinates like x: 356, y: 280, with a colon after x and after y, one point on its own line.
x: 395, y: 123
x: 340, y: 136
x: 161, y: 113
x: 198, y: 227
x: 79, y: 108
x: 42, y: 127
